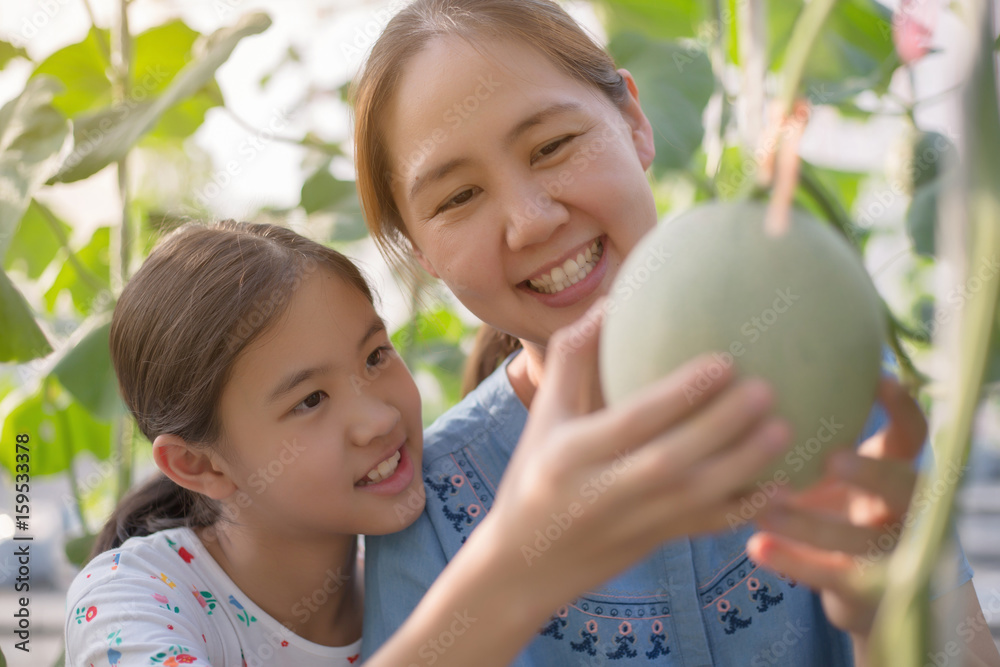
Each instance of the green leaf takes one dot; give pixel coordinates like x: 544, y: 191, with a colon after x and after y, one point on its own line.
x: 854, y: 51
x: 7, y: 53
x: 675, y: 82
x: 921, y: 218
x: 78, y: 549
x: 658, y: 19
x: 33, y: 139
x: 86, y: 372
x: 160, y: 54
x: 34, y: 245
x: 323, y: 191
x: 128, y: 123
x: 95, y: 257
x: 925, y: 173
x: 83, y: 70
x: 22, y: 338
x: 59, y: 429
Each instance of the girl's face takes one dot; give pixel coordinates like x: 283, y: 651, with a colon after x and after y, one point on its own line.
x: 520, y: 187
x: 312, y: 407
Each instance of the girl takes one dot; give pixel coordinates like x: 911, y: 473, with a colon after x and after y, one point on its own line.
x: 284, y: 424
x: 497, y: 146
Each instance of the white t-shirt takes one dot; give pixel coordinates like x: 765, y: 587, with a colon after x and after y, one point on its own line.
x: 163, y: 600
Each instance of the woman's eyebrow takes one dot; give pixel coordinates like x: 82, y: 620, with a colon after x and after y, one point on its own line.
x: 537, y: 118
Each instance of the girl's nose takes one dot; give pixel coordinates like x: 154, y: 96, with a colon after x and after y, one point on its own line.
x: 532, y: 216
x: 372, y: 420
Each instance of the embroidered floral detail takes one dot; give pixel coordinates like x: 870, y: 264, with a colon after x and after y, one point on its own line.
x: 457, y: 518
x: 554, y: 628
x: 589, y: 639
x: 731, y: 615
x: 761, y: 593
x: 85, y: 613
x: 624, y: 641
x: 115, y: 561
x: 659, y: 641
x: 284, y: 642
x: 244, y: 615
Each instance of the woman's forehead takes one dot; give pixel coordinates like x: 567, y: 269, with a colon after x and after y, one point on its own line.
x: 453, y: 91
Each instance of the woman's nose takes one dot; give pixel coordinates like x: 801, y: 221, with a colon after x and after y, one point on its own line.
x: 532, y: 215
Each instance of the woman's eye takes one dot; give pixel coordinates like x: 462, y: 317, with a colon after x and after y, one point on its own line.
x: 459, y: 199
x: 550, y: 148
x: 310, y: 402
x: 379, y: 356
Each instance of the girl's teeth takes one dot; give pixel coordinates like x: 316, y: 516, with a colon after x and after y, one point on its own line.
x: 383, y: 470
x: 571, y: 272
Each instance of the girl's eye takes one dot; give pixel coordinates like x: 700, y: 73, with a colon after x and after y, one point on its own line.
x: 459, y: 199
x: 310, y: 402
x: 379, y: 356
x: 550, y: 148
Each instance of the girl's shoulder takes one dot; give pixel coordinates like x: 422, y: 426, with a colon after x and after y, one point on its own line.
x: 165, y: 555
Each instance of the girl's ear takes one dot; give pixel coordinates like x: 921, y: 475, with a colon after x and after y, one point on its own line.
x: 422, y: 259
x: 194, y: 468
x: 642, y: 131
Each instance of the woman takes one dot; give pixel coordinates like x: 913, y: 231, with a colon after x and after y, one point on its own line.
x: 497, y: 146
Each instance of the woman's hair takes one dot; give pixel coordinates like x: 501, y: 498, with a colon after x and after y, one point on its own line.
x: 203, y: 295
x: 539, y: 24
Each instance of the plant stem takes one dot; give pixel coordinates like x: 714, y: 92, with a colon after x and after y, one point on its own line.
x: 804, y: 35
x: 122, y: 63
x: 713, y: 113
x: 82, y: 271
x: 102, y: 43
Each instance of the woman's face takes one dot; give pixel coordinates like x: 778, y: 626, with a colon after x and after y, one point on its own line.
x: 520, y: 187
x: 312, y: 407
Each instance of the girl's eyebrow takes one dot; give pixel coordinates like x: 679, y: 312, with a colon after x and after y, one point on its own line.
x: 537, y: 118
x: 298, y: 377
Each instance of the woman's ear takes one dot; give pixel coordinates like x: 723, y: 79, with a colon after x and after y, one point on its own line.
x: 194, y: 468
x: 642, y: 131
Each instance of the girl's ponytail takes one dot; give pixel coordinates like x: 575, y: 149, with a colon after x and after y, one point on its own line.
x: 490, y: 348
x: 157, y: 504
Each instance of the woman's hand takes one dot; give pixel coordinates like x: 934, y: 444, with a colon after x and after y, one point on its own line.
x: 829, y: 535
x: 590, y: 490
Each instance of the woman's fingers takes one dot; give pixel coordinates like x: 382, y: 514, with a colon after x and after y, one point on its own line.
x: 816, y: 568
x: 818, y: 531
x: 731, y: 472
x: 907, y: 428
x: 724, y: 421
x: 657, y: 409
x: 571, y: 380
x: 891, y: 480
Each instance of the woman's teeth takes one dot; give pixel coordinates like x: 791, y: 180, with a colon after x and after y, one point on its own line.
x: 571, y: 272
x: 382, y: 470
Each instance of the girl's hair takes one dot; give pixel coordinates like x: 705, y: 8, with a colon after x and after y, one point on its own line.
x: 203, y: 295
x: 539, y: 24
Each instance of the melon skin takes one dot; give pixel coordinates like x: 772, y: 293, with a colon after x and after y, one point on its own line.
x: 798, y: 310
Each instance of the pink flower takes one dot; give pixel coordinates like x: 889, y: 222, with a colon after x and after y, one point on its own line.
x: 911, y: 29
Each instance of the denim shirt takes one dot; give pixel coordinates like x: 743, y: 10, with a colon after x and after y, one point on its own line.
x: 692, y: 601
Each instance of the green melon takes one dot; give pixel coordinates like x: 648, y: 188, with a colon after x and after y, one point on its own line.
x: 798, y: 310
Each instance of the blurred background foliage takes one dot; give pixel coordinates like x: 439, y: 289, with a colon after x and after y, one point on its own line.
x: 128, y: 102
